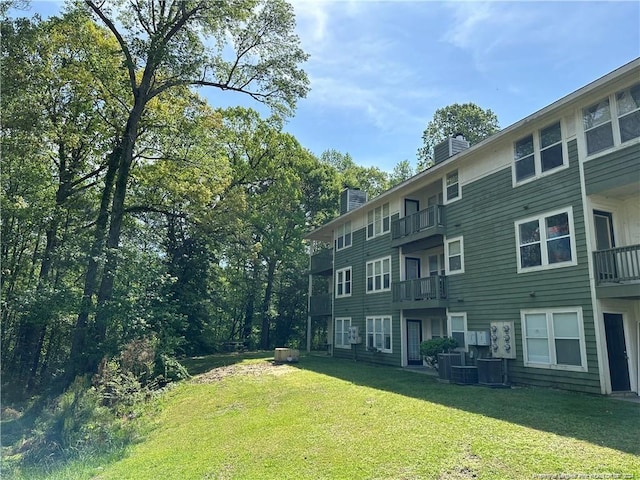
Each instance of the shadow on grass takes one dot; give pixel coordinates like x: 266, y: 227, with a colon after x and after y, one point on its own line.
x: 597, y: 420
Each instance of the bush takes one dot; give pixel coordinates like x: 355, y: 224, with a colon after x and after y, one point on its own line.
x: 430, y: 349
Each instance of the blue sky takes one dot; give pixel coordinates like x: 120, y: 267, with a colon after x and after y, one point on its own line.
x: 379, y: 70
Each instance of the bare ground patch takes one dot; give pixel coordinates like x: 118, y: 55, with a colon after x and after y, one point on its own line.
x: 251, y: 369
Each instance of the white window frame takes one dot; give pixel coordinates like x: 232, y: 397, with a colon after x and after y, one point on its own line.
x: 344, y: 282
x: 543, y: 241
x: 344, y: 332
x: 447, y: 257
x: 373, y: 275
x: 450, y: 329
x: 613, y: 120
x: 537, y: 154
x: 343, y: 234
x: 372, y: 333
x: 376, y: 218
x: 445, y: 179
x: 551, y: 338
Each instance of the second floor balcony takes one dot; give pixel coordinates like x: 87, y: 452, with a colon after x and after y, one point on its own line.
x: 322, y: 262
x: 617, y: 272
x: 429, y: 292
x: 320, y: 305
x: 418, y: 226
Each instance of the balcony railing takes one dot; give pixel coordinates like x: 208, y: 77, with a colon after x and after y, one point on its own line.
x: 617, y: 265
x: 322, y: 262
x: 420, y: 224
x: 320, y: 305
x: 421, y: 289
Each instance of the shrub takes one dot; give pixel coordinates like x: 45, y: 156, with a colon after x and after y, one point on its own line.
x: 430, y: 349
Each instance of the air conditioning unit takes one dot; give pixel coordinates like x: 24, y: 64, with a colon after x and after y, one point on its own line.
x: 464, y: 375
x: 449, y: 148
x: 490, y: 371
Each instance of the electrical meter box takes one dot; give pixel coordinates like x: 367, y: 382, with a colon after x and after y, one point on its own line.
x: 471, y: 338
x: 483, y: 338
x: 503, y: 340
x: 354, y: 335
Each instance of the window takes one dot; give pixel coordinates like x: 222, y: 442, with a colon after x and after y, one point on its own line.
x: 452, y: 186
x: 343, y: 236
x: 342, y: 332
x: 601, y: 132
x: 537, y: 154
x: 458, y: 328
x: 379, y: 334
x: 378, y: 221
x: 379, y: 275
x: 343, y: 282
x: 546, y: 241
x: 554, y: 339
x: 454, y: 254
x: 597, y: 127
x: 628, y: 102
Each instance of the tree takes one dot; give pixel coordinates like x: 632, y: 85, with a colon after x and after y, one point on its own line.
x: 401, y: 172
x: 474, y: 123
x: 244, y: 46
x: 369, y: 179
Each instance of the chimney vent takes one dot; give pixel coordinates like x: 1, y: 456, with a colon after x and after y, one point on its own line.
x: 449, y: 148
x: 350, y: 199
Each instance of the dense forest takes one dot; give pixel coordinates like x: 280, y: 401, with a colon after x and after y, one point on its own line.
x: 135, y: 211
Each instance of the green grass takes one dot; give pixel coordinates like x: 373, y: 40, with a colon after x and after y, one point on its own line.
x: 337, y: 419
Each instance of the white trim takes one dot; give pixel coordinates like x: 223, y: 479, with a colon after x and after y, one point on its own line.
x: 450, y: 329
x: 445, y: 198
x: 382, y: 273
x: 553, y: 365
x: 343, y: 236
x: 346, y: 346
x: 383, y: 318
x: 344, y: 282
x: 448, y: 241
x: 382, y: 218
x: 537, y: 155
x: 544, y: 255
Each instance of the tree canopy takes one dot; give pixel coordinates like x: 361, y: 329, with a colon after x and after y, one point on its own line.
x: 468, y: 119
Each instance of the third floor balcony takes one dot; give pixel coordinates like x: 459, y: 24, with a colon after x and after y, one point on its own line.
x: 418, y: 226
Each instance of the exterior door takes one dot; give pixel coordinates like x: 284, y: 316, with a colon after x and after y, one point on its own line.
x: 411, y: 207
x: 414, y: 337
x: 603, y: 222
x: 412, y: 268
x: 617, y: 350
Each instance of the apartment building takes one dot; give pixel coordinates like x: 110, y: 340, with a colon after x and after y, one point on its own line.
x: 531, y: 236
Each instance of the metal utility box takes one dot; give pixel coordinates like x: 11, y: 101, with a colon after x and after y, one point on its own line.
x: 354, y: 335
x: 471, y: 338
x: 483, y: 338
x: 503, y: 341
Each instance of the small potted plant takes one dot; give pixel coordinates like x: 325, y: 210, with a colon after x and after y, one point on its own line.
x: 436, y: 353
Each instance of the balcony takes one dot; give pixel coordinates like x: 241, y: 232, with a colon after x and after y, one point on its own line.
x: 429, y: 292
x: 618, y: 272
x: 419, y: 227
x: 322, y: 262
x: 320, y: 305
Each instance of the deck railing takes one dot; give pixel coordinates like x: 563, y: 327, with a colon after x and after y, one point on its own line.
x: 429, y: 288
x: 617, y: 265
x: 320, y: 305
x: 429, y: 217
x: 322, y: 260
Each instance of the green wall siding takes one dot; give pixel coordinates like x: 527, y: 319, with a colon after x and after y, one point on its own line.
x: 492, y: 290
x: 360, y: 304
x: 617, y: 169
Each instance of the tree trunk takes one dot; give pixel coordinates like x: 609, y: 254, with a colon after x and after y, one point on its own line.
x: 266, y: 306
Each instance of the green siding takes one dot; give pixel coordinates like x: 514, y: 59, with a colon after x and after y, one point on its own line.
x: 491, y: 289
x: 617, y: 169
x: 360, y: 304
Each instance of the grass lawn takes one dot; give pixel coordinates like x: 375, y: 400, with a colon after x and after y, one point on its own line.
x: 334, y: 419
